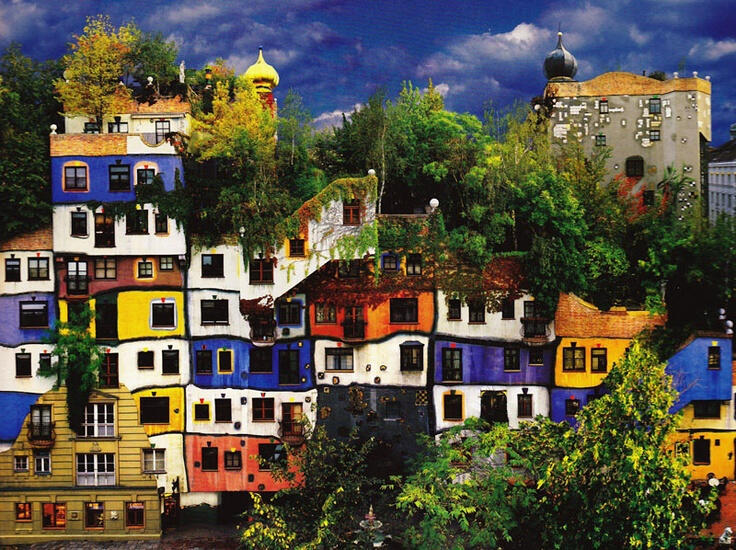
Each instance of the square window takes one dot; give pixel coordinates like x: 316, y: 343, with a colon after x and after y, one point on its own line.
x: 154, y: 410
x: 404, y: 310
x: 288, y: 367
x: 34, y: 315
x: 145, y: 359
x: 209, y: 459
x: 223, y: 410
x: 166, y: 263
x: 225, y: 360
x: 414, y: 264
x: 572, y: 406
x: 701, y: 451
x: 261, y: 360
x: 41, y: 462
x: 161, y: 223
x: 119, y: 177
x: 390, y: 262
x: 714, y: 357
x: 106, y: 268
x: 655, y: 106
x: 290, y: 313
x: 603, y: 106
x: 339, y: 359
x: 412, y: 357
x: 392, y: 410
x: 20, y: 463
x: 600, y: 140
x: 573, y: 358
x: 91, y: 128
x: 23, y: 511
x: 524, y: 403
x: 511, y: 362
x: 233, y: 460
x: 170, y: 361
x: 136, y: 223
x: 212, y: 265
x: 154, y: 461
x: 598, y: 359
x: 351, y: 212
x: 508, y: 308
x: 53, y: 515
x: 706, y: 409
x: 98, y: 420
x: 263, y: 409
x: 454, y: 309
x: 22, y: 365
x: 12, y: 270
x: 79, y: 224
x: 536, y: 356
x: 261, y: 271
x: 214, y: 312
x: 163, y: 315
x: 201, y: 412
x: 145, y: 270
x: 75, y: 178
x: 204, y: 361
x: 452, y: 365
x: 324, y: 313
x: 145, y: 175
x: 634, y: 167
x: 270, y: 454
x: 117, y: 127
x: 135, y: 513
x: 297, y: 248
x: 94, y: 515
x: 654, y: 135
x: 476, y: 311
x: 38, y: 269
x: 453, y: 406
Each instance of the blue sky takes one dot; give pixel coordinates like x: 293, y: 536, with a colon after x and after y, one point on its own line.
x: 336, y: 53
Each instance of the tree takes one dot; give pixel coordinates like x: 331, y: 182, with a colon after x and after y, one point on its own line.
x: 94, y: 68
x: 151, y: 55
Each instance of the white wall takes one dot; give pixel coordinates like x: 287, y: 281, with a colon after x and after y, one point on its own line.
x: 135, y: 378
x: 175, y: 466
x: 24, y: 285
x: 34, y: 384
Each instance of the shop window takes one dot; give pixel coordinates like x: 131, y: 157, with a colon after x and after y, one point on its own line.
x: 212, y: 265
x: 511, y: 361
x: 261, y: 360
x: 170, y: 361
x: 452, y: 365
x: 135, y: 513
x: 339, y: 359
x: 263, y: 409
x: 288, y: 367
x: 454, y: 309
x: 53, y: 515
x: 598, y: 359
x: 209, y: 459
x: 154, y: 410
x: 404, y: 310
x: 453, y: 406
x: 94, y: 515
x: 23, y: 512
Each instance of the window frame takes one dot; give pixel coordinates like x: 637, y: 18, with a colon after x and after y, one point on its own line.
x: 533, y: 362
x: 235, y: 459
x: 203, y: 362
x: 600, y: 140
x: 35, y: 272
x: 392, y: 259
x: 289, y: 313
x: 136, y: 223
x: 157, y: 464
x: 41, y: 463
x: 145, y: 359
x: 98, y: 508
x: 511, y: 359
x: 144, y: 269
x: 257, y: 274
x: 221, y: 354
x: 162, y: 127
x: 166, y: 263
x: 261, y: 405
x: 149, y: 405
x: 411, y: 357
x: 55, y: 516
x: 523, y: 408
x: 26, y: 317
x: 213, y: 266
x: 476, y: 312
x: 25, y: 359
x: 714, y: 358
x: 167, y: 304
x: 18, y: 461
x: 414, y: 264
x: 696, y: 452
x: 404, y: 311
x: 290, y: 376
x: 105, y: 266
x: 446, y: 406
x: 351, y: 212
x: 97, y: 429
x: 136, y: 512
x: 99, y: 475
x: 118, y: 178
x: 78, y: 224
x: 260, y: 361
x: 297, y: 248
x: 452, y: 355
x: 199, y: 410
x: 634, y: 167
x: 655, y: 106
x: 603, y: 107
x: 223, y: 405
x: 321, y: 318
x: 12, y: 270
x: 596, y: 356
x: 571, y: 353
x: 145, y: 176
x: 109, y: 373
x: 706, y: 409
x: 454, y: 309
x: 214, y: 311
x: 23, y: 512
x: 166, y: 358
x: 116, y: 127
x: 213, y: 453
x: 570, y: 404
x: 655, y: 134
x: 72, y: 174
x: 335, y: 356
x: 160, y: 223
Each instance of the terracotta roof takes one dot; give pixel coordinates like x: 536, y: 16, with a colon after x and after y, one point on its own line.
x: 576, y: 317
x: 621, y: 83
x: 162, y: 105
x: 41, y: 239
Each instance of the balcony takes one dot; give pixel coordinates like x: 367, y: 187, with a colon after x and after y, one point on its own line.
x: 291, y: 432
x: 535, y: 330
x: 41, y: 435
x: 354, y: 330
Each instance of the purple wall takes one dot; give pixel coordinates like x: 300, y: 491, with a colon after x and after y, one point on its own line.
x: 10, y: 332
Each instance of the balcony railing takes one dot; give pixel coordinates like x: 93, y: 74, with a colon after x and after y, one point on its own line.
x: 535, y: 330
x: 291, y: 432
x: 41, y: 435
x: 354, y: 330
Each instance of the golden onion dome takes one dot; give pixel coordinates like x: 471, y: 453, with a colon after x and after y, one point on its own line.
x: 264, y: 76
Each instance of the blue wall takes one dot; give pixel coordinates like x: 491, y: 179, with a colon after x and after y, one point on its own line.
x: 15, y: 407
x: 10, y: 332
x: 98, y: 180
x: 241, y: 377
x: 558, y: 396
x: 692, y: 377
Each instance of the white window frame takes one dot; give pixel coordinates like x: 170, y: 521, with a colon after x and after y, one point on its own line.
x: 157, y: 461
x: 95, y: 428
x: 97, y: 476
x: 20, y: 463
x: 42, y: 462
x: 176, y: 314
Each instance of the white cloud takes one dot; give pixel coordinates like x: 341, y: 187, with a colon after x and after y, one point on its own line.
x: 195, y: 12
x: 333, y: 118
x: 638, y: 36
x: 712, y: 50
x: 16, y: 18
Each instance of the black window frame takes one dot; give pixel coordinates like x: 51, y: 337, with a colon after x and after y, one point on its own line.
x: 572, y: 406
x: 145, y: 360
x: 106, y: 266
x: 118, y: 177
x: 476, y: 311
x: 257, y: 357
x: 116, y: 127
x: 166, y: 263
x: 214, y: 312
x: 160, y: 223
x: 404, y: 311
x: 598, y: 356
x: 570, y: 359
x: 336, y: 359
x: 414, y: 264
x: 390, y: 262
x: 136, y: 223
x: 91, y: 128
x: 655, y: 134
x: 452, y: 402
x: 260, y: 407
x: 297, y: 248
x: 145, y: 269
x: 223, y: 409
x: 12, y: 270
x: 268, y: 455
x: 162, y: 127
x: 290, y: 312
x: 27, y: 319
x: 156, y: 406
x: 411, y: 357
x: 536, y: 356
x: 79, y: 224
x: 169, y: 357
x: 145, y: 176
x: 210, y: 459
x: 450, y: 371
x: 714, y: 357
x: 524, y: 405
x: 701, y: 451
x: 655, y: 106
x: 603, y: 106
x: 634, y: 167
x: 23, y: 368
x: 454, y: 309
x: 260, y: 271
x: 511, y: 359
x: 169, y: 310
x: 233, y: 460
x: 77, y: 176
x: 600, y: 140
x: 289, y: 367
x: 327, y: 308
x: 203, y: 362
x: 706, y: 408
x: 35, y: 272
x: 213, y: 266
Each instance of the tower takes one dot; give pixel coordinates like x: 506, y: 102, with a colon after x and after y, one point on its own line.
x: 265, y: 78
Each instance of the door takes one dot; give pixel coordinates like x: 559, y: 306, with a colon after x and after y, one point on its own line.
x: 493, y: 407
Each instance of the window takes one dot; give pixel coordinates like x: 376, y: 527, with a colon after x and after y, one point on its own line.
x: 134, y: 514
x: 75, y: 178
x: 106, y: 268
x: 339, y: 359
x: 44, y: 362
x: 94, y: 515
x: 524, y: 405
x: 145, y: 175
x: 163, y: 127
x: 600, y: 140
x: 269, y: 454
x: 20, y: 463
x: 324, y: 313
x: 225, y: 360
x: 296, y: 248
x: 414, y: 264
x: 34, y: 315
x: 453, y: 406
x: 109, y: 371
x: 454, y: 309
x: 91, y: 128
x: 536, y: 356
x: 145, y: 359
x: 212, y: 265
x: 79, y: 224
x: 223, y: 410
x: 163, y: 314
x: 204, y: 361
x: 714, y: 357
x: 161, y: 223
x: 119, y: 177
x: 654, y: 135
x: 511, y: 360
x: 38, y: 269
x: 166, y: 263
x: 634, y: 167
x: 53, y: 515
x: 603, y: 106
x: 572, y: 406
x: 41, y: 426
x: 98, y: 420
x: 77, y: 281
x: 12, y: 270
x: 573, y: 358
x: 23, y: 511
x: 655, y: 106
x: 291, y: 419
x: 476, y: 311
x: 41, y: 462
x: 412, y: 356
x: 214, y: 312
x: 290, y: 313
x: 404, y: 310
x: 145, y: 269
x: 452, y: 364
x: 288, y: 366
x: 233, y: 460
x: 209, y: 459
x: 390, y: 262
x: 263, y: 409
x: 170, y: 361
x: 95, y: 469
x: 598, y: 359
x: 117, y: 127
x: 136, y: 223
x: 707, y: 409
x: 154, y: 461
x: 261, y: 271
x: 392, y: 410
x: 508, y: 308
x: 261, y: 360
x: 104, y: 231
x: 22, y: 365
x: 154, y: 410
x: 347, y: 269
x: 351, y: 212
x: 201, y: 412
x: 701, y: 451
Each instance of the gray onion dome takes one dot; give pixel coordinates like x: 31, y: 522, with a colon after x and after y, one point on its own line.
x: 559, y: 63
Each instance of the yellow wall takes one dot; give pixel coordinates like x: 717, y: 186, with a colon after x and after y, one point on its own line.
x: 587, y: 379
x: 134, y: 310
x: 721, y: 464
x: 176, y: 409
x: 690, y: 423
